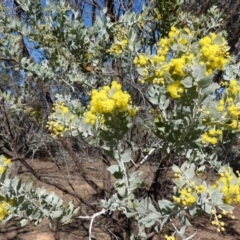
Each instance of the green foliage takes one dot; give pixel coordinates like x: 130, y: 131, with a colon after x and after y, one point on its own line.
x: 29, y: 203
x: 172, y: 75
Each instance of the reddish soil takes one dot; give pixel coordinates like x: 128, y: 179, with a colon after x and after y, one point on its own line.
x: 78, y: 229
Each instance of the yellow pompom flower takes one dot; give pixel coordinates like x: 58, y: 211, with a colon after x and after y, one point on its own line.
x: 5, y: 209
x: 7, y: 161
x: 233, y: 87
x: 59, y: 121
x: 90, y: 117
x: 229, y: 185
x: 120, y: 42
x: 212, y: 136
x: 177, y: 65
x: 169, y: 237
x: 214, y: 54
x: 175, y: 89
x: 143, y: 60
x: 107, y: 101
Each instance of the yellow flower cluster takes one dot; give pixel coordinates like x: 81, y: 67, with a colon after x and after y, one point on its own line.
x: 189, y: 194
x: 233, y: 110
x: 169, y: 237
x: 228, y: 108
x: 141, y: 61
x: 176, y: 56
x: 108, y: 100
x: 218, y: 223
x: 186, y: 197
x: 159, y: 63
x: 176, y: 65
x: 4, y: 163
x: 175, y: 89
x: 157, y: 14
x: 212, y: 136
x: 229, y: 184
x: 155, y: 113
x: 212, y: 53
x: 56, y: 126
x: 60, y: 106
x: 120, y: 43
x: 233, y: 88
x: 5, y: 209
x: 7, y: 161
x: 218, y: 219
x: 5, y: 206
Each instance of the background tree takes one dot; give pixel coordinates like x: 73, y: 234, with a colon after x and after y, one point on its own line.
x: 230, y: 10
x: 46, y: 49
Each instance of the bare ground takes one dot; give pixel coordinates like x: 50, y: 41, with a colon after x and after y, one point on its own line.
x: 78, y: 228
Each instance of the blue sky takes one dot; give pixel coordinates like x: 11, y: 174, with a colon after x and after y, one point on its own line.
x: 87, y: 19
x: 38, y: 54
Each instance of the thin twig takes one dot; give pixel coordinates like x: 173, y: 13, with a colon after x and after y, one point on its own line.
x: 103, y: 211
